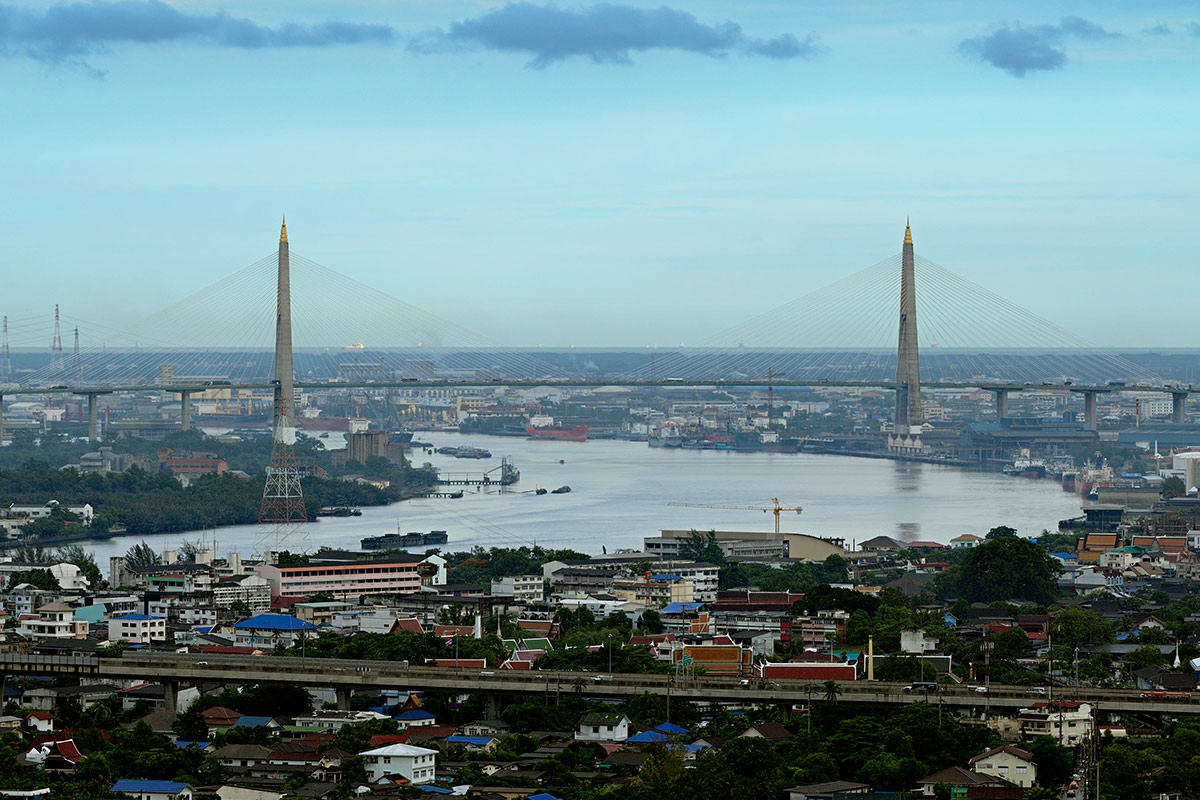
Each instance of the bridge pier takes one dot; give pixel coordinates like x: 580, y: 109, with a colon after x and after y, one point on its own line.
x: 342, y: 698
x: 1089, y: 408
x: 1001, y: 396
x: 1178, y: 403
x: 93, y: 426
x: 171, y: 696
x: 185, y: 411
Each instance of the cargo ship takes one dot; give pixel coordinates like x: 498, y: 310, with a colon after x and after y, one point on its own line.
x: 544, y: 428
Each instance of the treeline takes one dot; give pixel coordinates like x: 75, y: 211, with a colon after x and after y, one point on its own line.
x: 146, y: 503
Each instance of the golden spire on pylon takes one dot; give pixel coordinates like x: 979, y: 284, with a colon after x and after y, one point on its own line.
x: 283, y: 231
x: 907, y: 233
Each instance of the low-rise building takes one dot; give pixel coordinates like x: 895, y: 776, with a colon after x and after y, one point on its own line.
x: 414, y: 764
x: 137, y: 629
x: 1067, y: 721
x: 603, y: 727
x: 1010, y: 763
x: 54, y: 621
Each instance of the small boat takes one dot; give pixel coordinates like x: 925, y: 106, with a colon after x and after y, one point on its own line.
x: 561, y: 490
x: 539, y: 491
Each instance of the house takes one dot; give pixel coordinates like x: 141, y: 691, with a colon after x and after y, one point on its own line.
x: 40, y: 721
x: 271, y: 630
x: 603, y: 727
x: 220, y: 717
x: 1069, y: 722
x: 154, y: 790
x: 487, y: 727
x: 771, y: 731
x: 415, y: 719
x: 1010, y: 763
x: 958, y: 779
x: 414, y: 764
x: 966, y: 540
x: 54, y: 754
x: 826, y: 791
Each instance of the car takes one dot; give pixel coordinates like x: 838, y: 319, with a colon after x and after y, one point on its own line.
x: 1070, y: 792
x: 601, y: 678
x: 921, y: 686
x: 980, y: 689
x: 487, y: 674
x: 1036, y: 690
x: 201, y: 663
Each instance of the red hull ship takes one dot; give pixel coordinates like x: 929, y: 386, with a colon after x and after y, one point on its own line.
x: 576, y: 433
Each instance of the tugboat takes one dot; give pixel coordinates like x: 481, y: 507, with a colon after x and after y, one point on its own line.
x: 1026, y: 466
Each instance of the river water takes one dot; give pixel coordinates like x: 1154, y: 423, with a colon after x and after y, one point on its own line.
x: 620, y: 490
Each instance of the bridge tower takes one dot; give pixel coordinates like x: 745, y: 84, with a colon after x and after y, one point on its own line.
x: 282, y: 514
x: 5, y: 360
x: 76, y: 364
x: 908, y: 366
x: 56, y: 351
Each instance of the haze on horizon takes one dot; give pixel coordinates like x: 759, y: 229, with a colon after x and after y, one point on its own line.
x: 604, y: 175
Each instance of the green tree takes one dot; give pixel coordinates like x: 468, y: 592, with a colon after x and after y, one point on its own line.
x: 858, y: 628
x: 142, y: 555
x: 1173, y: 486
x: 1077, y: 627
x: 82, y: 558
x: 832, y: 691
x: 1054, y: 762
x: 1001, y: 532
x: 38, y: 578
x: 1008, y: 568
x: 699, y: 546
x: 651, y: 622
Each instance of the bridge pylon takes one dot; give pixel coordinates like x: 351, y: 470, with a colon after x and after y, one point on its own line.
x: 908, y: 365
x: 282, y: 515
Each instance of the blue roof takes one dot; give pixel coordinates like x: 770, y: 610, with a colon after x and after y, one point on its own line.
x: 668, y: 727
x: 431, y: 789
x: 253, y: 722
x: 1064, y: 555
x: 647, y: 737
x: 666, y: 576
x: 201, y: 745
x: 411, y: 715
x: 679, y: 608
x: 543, y: 796
x: 136, y: 617
x: 481, y: 741
x: 133, y: 786
x: 276, y: 622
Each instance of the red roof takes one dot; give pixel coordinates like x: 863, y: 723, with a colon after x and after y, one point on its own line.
x: 510, y: 664
x: 39, y: 715
x: 381, y: 739
x: 654, y: 640
x: 468, y: 663
x: 410, y: 624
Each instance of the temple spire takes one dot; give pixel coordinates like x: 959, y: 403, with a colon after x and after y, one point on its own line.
x: 907, y: 233
x: 283, y: 231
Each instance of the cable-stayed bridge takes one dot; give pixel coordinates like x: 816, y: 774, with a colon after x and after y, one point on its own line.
x: 900, y: 325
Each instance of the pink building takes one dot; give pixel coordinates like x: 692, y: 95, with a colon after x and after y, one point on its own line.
x: 344, y: 580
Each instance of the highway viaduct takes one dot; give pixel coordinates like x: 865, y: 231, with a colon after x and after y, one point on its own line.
x: 347, y: 677
x: 1001, y: 391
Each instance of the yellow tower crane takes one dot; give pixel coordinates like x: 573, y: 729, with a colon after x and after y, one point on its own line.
x: 775, y: 508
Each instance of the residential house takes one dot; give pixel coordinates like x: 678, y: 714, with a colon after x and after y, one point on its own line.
x: 154, y: 790
x: 137, y: 629
x: 1008, y: 762
x: 415, y: 764
x: 271, y: 630
x: 603, y: 727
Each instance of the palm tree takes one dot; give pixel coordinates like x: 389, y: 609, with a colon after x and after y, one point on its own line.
x: 833, y: 690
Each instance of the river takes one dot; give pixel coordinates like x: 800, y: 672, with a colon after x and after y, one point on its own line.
x: 620, y: 490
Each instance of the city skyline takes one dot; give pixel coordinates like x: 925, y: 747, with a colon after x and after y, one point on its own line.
x: 601, y: 175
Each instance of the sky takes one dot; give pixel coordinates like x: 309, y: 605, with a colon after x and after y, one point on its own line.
x: 613, y: 174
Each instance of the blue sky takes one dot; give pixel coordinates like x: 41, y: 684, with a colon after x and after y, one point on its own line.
x: 615, y: 174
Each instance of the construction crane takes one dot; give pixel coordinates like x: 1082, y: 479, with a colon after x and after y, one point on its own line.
x: 775, y: 508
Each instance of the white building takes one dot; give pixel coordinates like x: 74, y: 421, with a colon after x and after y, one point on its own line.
x: 31, y: 513
x: 54, y: 621
x: 1067, y: 721
x: 521, y: 588
x: 1010, y: 763
x: 137, y: 629
x: 417, y: 764
x: 253, y: 590
x: 603, y: 727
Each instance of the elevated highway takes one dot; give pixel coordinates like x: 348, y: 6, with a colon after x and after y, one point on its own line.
x: 347, y: 676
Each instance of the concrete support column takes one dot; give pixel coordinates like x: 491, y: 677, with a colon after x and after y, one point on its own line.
x: 1001, y: 403
x: 93, y: 427
x: 491, y: 704
x: 185, y: 411
x: 342, y: 696
x: 171, y: 695
x: 1089, y: 409
x: 1178, y: 401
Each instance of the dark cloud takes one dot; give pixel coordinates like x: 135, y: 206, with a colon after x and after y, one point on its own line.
x: 1018, y: 49
x: 1161, y: 29
x: 606, y: 33
x: 66, y: 32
